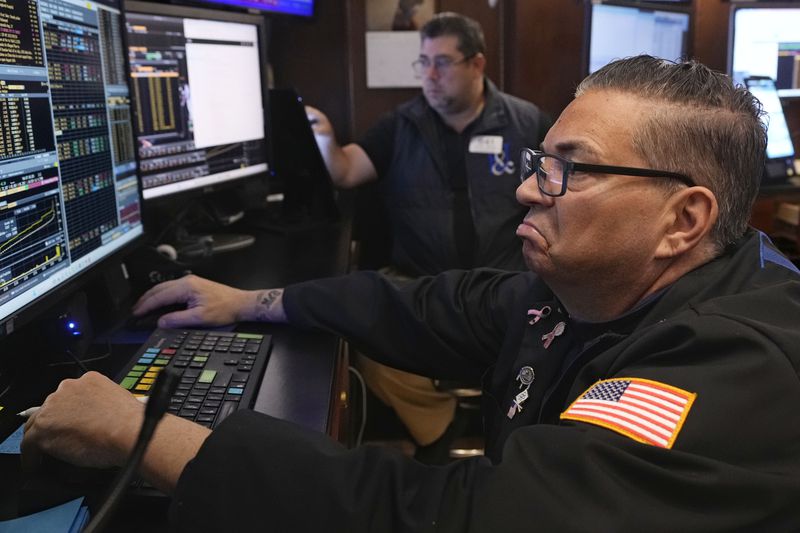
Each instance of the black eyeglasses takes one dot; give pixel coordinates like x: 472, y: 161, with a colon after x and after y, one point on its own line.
x: 552, y: 171
x: 441, y: 63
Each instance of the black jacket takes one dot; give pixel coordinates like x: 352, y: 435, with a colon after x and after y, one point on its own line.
x: 726, y: 333
x: 418, y: 190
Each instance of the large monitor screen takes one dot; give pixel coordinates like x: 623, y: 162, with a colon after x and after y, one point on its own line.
x: 764, y: 40
x: 618, y: 31
x: 198, y: 96
x: 304, y: 8
x: 69, y: 194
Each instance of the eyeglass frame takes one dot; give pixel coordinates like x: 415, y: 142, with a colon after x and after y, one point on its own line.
x: 571, y: 166
x: 439, y: 67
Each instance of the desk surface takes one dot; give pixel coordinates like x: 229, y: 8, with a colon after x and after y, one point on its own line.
x: 298, y: 383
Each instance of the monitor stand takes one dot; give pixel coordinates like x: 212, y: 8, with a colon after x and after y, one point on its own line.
x: 194, y: 232
x: 189, y: 247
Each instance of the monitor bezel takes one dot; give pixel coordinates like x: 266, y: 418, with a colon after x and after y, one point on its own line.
x: 652, y: 6
x: 186, y: 11
x: 38, y: 307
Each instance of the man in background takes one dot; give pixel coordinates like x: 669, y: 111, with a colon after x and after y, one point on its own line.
x: 446, y: 166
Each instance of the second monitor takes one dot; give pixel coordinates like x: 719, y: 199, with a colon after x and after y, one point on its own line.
x: 618, y: 30
x: 199, y: 106
x: 198, y: 96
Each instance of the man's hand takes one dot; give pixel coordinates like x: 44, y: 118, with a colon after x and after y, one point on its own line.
x: 320, y: 124
x: 209, y: 303
x: 94, y: 422
x: 90, y: 421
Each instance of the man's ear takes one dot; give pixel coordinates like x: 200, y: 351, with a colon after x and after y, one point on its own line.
x: 693, y: 212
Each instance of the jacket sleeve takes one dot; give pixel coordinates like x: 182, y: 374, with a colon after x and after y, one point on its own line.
x: 450, y: 326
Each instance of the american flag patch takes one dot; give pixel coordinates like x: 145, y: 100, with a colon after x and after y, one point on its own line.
x: 644, y: 410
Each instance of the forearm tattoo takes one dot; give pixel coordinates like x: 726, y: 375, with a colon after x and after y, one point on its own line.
x: 267, y: 300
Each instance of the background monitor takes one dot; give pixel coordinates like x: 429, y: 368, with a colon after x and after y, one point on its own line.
x: 300, y: 171
x: 198, y: 96
x: 618, y: 30
x: 764, y: 40
x: 780, y: 150
x: 69, y: 194
x: 304, y: 8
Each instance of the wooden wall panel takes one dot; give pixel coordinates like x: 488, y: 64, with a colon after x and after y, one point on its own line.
x: 311, y: 55
x: 544, y: 47
x: 710, y: 42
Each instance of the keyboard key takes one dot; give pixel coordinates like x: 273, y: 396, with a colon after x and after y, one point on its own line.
x: 207, y: 376
x: 249, y: 336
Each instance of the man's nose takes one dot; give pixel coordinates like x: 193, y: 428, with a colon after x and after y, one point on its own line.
x: 528, y: 193
x: 430, y: 71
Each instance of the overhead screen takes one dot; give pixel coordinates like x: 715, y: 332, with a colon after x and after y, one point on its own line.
x: 304, y: 8
x: 69, y: 195
x: 618, y: 31
x: 764, y: 40
x: 198, y: 96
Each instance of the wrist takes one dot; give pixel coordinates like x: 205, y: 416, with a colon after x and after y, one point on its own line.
x: 268, y: 306
x: 122, y: 436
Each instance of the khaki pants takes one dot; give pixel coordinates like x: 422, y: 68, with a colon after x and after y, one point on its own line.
x: 425, y: 411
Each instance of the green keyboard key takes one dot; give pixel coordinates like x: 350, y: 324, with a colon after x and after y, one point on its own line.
x: 207, y: 376
x: 253, y: 336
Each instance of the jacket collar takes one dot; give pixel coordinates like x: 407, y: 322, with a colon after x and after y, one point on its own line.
x: 494, y: 115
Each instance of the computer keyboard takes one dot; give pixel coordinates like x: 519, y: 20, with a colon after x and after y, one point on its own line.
x: 220, y: 371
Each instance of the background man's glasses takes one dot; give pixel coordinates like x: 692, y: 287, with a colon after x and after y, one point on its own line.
x: 442, y: 64
x: 552, y: 171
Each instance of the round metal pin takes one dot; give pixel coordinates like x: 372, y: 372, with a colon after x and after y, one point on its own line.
x: 526, y: 375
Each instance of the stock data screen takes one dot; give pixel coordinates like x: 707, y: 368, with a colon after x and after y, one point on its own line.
x: 68, y: 186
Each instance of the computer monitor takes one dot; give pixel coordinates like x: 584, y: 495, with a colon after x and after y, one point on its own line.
x: 618, y: 30
x: 198, y: 85
x: 764, y: 40
x: 303, y: 8
x: 301, y: 176
x: 780, y: 150
x: 69, y: 194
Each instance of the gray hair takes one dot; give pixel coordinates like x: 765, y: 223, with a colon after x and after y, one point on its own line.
x: 703, y: 126
x: 468, y: 31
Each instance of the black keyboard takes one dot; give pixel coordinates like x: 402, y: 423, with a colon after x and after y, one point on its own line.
x: 220, y: 371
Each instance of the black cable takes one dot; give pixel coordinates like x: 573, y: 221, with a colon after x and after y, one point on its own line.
x: 81, y: 362
x: 5, y: 391
x: 75, y: 358
x: 157, y: 404
x: 363, y: 387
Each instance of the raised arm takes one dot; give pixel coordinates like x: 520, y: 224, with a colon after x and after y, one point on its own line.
x: 349, y: 165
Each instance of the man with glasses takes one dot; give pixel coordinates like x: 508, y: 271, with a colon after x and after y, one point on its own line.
x: 445, y: 163
x: 446, y: 160
x: 643, y: 377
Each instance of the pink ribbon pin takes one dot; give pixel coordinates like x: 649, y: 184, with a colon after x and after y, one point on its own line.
x: 538, y: 314
x: 548, y: 337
